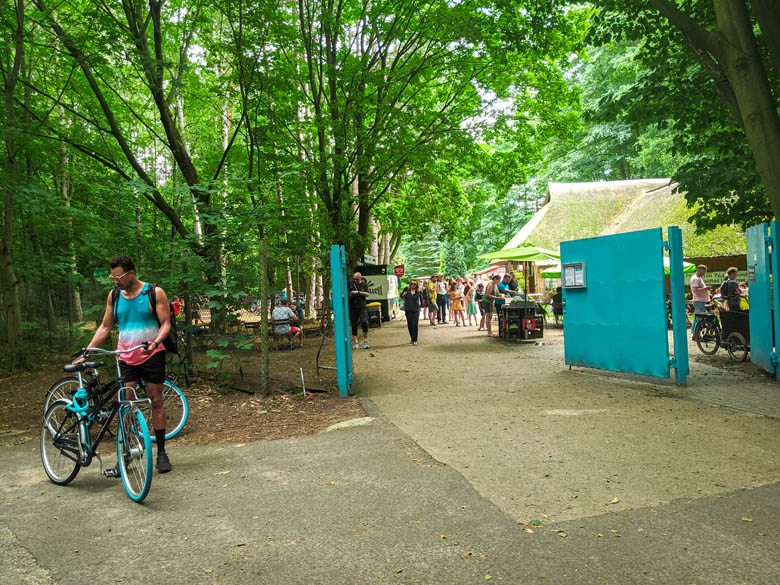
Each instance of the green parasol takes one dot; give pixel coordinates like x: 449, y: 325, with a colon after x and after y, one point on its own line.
x: 688, y: 268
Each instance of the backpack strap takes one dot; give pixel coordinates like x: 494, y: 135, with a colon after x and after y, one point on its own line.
x: 153, y: 300
x: 115, y: 300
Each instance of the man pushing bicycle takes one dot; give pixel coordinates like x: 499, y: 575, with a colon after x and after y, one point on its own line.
x: 132, y: 312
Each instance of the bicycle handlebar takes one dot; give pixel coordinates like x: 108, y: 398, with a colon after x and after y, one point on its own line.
x: 86, y: 351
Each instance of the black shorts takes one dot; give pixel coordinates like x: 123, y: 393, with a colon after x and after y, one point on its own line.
x: 152, y: 370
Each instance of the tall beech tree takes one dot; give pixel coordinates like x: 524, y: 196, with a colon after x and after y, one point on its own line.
x: 736, y: 44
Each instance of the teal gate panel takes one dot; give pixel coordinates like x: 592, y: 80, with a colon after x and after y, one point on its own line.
x: 338, y: 280
x: 760, y: 270
x: 617, y: 321
x: 679, y: 319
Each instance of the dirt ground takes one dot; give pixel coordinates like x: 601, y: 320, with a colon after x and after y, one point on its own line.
x: 228, y: 412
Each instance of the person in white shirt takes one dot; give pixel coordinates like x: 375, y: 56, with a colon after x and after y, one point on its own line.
x: 442, y: 300
x: 284, y: 313
x: 701, y: 296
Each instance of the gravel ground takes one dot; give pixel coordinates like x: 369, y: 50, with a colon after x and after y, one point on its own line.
x: 543, y: 441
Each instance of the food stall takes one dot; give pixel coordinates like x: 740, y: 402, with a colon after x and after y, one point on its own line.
x: 382, y: 289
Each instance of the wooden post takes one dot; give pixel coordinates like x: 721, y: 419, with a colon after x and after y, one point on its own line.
x: 264, y: 368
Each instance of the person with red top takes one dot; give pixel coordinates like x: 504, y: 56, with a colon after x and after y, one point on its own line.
x: 176, y: 307
x: 137, y: 324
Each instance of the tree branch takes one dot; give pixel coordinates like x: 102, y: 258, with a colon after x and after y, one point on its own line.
x: 768, y: 17
x: 697, y: 35
x: 115, y: 131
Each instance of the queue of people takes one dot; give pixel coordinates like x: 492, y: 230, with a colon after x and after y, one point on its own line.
x: 439, y: 301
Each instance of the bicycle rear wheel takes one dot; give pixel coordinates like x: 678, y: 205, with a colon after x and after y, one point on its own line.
x: 62, y: 389
x: 708, y: 337
x: 134, y: 450
x: 737, y: 346
x: 176, y: 409
x: 60, y: 443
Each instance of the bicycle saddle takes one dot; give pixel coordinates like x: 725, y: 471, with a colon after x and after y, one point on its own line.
x: 70, y: 368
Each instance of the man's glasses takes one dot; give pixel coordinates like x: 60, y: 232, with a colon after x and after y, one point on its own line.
x: 120, y: 277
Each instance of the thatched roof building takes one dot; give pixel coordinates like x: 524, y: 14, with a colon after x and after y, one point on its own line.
x: 574, y: 211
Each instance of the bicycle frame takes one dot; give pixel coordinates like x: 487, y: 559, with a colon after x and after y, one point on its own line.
x: 86, y: 415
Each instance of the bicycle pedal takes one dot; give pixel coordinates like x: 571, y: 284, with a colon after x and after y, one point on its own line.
x: 113, y: 472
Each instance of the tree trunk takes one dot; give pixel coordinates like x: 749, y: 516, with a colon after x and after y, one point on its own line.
x: 731, y: 51
x: 225, y: 122
x: 197, y: 228
x: 73, y: 289
x: 8, y: 280
x: 264, y: 367
x: 742, y: 64
x: 374, y: 238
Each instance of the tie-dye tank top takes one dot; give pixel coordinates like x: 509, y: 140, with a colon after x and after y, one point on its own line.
x: 136, y: 325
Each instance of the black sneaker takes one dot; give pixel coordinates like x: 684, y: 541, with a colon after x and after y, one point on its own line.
x: 163, y: 464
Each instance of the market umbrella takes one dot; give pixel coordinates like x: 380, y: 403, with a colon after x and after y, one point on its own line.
x: 688, y: 268
x: 551, y: 271
x: 524, y: 253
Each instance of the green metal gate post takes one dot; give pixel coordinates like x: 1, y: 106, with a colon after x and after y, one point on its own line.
x: 338, y: 276
x: 679, y: 321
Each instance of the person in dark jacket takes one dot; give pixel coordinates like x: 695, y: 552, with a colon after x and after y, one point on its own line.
x: 357, y: 289
x: 729, y: 290
x: 412, y: 297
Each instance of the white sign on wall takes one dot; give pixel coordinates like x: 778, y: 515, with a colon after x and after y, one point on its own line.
x: 381, y: 287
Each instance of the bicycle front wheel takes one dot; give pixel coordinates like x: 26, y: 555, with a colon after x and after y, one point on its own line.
x: 134, y: 450
x: 62, y: 389
x: 60, y: 443
x: 708, y: 337
x: 176, y: 409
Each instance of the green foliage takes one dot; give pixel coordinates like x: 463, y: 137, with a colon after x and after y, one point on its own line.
x: 670, y: 92
x: 423, y: 114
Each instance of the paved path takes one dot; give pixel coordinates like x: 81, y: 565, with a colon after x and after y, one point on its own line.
x: 482, y: 463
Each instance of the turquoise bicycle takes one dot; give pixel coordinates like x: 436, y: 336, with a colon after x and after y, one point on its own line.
x: 174, y: 401
x: 70, y: 423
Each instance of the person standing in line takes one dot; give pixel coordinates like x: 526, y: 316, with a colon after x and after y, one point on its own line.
x: 457, y: 305
x: 412, y: 304
x: 433, y: 306
x: 701, y: 296
x: 357, y: 289
x: 442, y: 300
x: 491, y: 296
x: 135, y: 317
x: 471, y: 305
x: 425, y: 297
x: 479, y: 298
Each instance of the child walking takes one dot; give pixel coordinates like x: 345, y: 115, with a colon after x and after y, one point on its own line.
x: 457, y: 305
